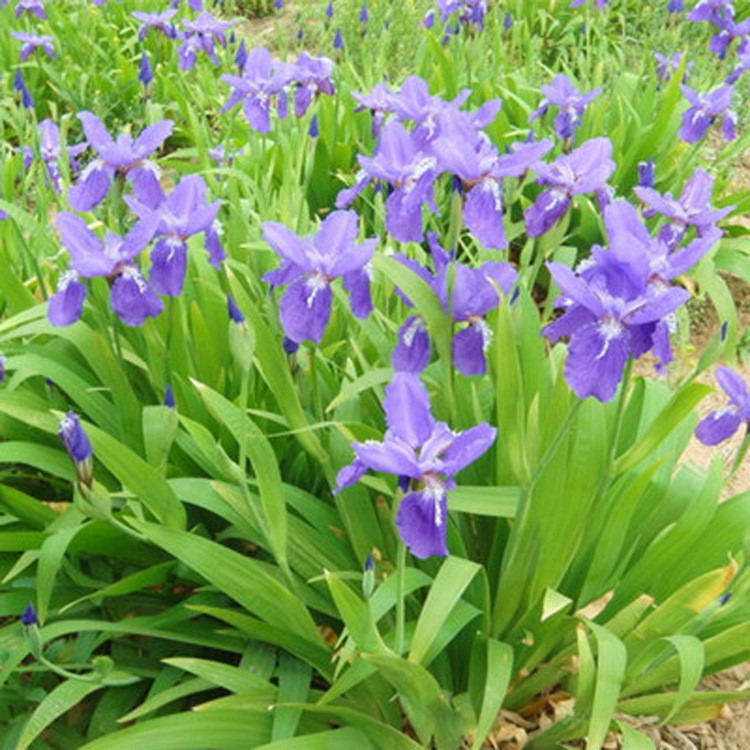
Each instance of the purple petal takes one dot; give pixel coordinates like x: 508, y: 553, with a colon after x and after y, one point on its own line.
x: 305, y: 308
x: 407, y: 409
x: 468, y: 350
x: 91, y: 188
x: 146, y: 185
x: 596, y: 359
x: 66, y: 305
x: 483, y: 214
x: 467, y: 447
x: 550, y: 206
x: 421, y: 521
x: 287, y: 244
x: 168, y: 266
x: 412, y: 352
x: 391, y: 457
x: 132, y: 298
x: 152, y: 138
x: 718, y: 426
x: 732, y: 384
x: 357, y: 283
x: 85, y: 248
x: 95, y: 132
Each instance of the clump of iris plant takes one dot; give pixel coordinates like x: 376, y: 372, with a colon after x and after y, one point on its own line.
x: 721, y: 424
x: 309, y: 266
x: 425, y: 455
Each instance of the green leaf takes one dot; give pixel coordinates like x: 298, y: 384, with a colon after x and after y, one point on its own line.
x: 345, y: 738
x: 495, y: 502
x: 611, y: 662
x: 294, y: 687
x: 234, y: 679
x: 451, y: 581
x: 632, y: 739
x: 60, y: 700
x: 680, y: 405
x: 499, y: 672
x: 264, y: 462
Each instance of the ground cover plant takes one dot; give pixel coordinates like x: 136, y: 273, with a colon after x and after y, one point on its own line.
x: 337, y: 405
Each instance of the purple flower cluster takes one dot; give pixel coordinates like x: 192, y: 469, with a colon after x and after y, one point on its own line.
x: 705, y: 110
x: 469, y: 12
x: 620, y: 302
x: 169, y: 219
x: 425, y: 455
x: 442, y: 139
x: 265, y: 82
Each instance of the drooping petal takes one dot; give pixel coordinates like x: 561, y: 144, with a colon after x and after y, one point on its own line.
x: 412, y: 352
x: 483, y: 214
x: 732, y: 384
x: 145, y: 182
x: 718, y: 426
x: 349, y: 475
x: 95, y: 132
x: 357, y: 283
x: 168, y: 266
x: 85, y: 248
x: 66, y: 304
x: 407, y: 409
x: 422, y: 524
x: 152, y: 138
x: 132, y: 298
x: 549, y: 207
x: 305, y: 308
x: 91, y: 188
x: 596, y: 360
x: 468, y: 351
x: 288, y: 245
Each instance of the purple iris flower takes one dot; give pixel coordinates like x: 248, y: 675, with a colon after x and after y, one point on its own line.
x: 202, y: 35
x: 379, y: 102
x: 125, y: 157
x: 722, y: 424
x: 469, y: 11
x: 676, y: 6
x: 704, y: 110
x: 728, y: 32
x: 405, y: 162
x: 666, y: 66
x: 261, y: 80
x: 34, y: 7
x: 743, y: 62
x: 131, y: 297
x: 364, y: 16
x: 76, y: 443
x: 338, y: 40
x: 620, y: 304
x: 312, y: 75
x: 329, y: 9
x: 571, y: 102
x: 178, y: 216
x: 20, y: 85
x: 240, y: 57
x: 160, y: 22
x: 234, y: 312
x: 692, y: 208
x: 429, y: 453
x: 32, y: 42
x: 583, y: 170
x: 712, y: 11
x: 470, y: 155
x: 309, y: 265
x: 474, y: 293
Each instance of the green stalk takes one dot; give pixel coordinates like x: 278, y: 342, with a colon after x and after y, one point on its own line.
x: 400, y: 595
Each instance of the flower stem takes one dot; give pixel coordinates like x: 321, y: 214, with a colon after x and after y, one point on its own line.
x: 400, y: 595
